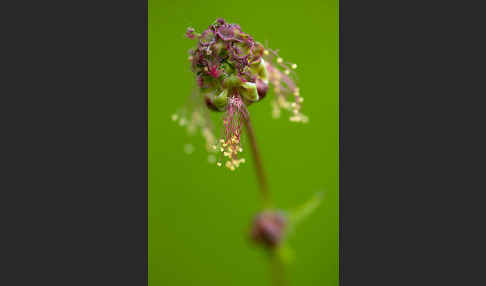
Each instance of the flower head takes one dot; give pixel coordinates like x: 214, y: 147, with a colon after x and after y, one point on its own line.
x: 232, y: 72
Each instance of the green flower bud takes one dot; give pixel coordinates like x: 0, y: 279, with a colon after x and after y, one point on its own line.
x: 250, y: 91
x: 221, y: 100
x: 260, y: 69
x: 232, y: 81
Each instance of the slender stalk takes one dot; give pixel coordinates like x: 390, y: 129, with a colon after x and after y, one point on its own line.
x: 276, y: 263
x: 261, y: 176
x: 278, y: 271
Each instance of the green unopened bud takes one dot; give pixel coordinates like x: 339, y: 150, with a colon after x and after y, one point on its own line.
x: 221, y: 100
x: 262, y: 70
x: 232, y: 81
x: 250, y: 91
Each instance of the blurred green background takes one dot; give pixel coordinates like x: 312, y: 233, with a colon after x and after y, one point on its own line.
x: 199, y: 214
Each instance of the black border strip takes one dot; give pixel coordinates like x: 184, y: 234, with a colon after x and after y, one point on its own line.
x: 340, y: 144
x: 77, y: 133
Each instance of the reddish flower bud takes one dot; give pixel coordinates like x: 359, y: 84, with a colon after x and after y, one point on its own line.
x: 269, y: 228
x: 262, y: 88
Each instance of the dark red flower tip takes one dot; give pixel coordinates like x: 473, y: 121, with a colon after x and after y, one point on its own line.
x: 262, y: 88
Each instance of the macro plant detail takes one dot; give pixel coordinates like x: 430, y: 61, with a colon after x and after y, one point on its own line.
x: 232, y: 72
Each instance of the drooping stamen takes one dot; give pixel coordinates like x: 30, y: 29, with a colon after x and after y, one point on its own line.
x: 230, y: 146
x: 285, y: 87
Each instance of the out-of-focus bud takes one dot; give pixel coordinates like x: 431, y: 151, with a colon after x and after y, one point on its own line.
x: 269, y: 228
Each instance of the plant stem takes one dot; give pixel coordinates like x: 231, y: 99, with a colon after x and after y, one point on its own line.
x: 262, y: 181
x: 276, y: 263
x: 278, y: 271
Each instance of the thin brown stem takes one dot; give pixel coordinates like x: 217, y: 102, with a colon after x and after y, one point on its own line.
x: 262, y: 181
x: 278, y: 271
x: 276, y: 263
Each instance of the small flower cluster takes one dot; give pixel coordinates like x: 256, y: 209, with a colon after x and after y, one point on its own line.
x: 233, y: 71
x: 227, y: 63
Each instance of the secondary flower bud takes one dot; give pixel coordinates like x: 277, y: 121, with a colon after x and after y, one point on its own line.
x: 269, y: 228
